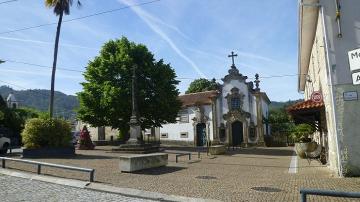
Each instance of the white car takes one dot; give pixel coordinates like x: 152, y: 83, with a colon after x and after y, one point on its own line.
x: 4, y: 144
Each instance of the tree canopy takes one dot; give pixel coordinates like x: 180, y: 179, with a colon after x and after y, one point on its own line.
x: 281, y: 123
x: 106, y: 96
x: 15, y: 119
x: 200, y: 85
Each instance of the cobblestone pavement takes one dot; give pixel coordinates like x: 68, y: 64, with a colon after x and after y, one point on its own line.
x: 13, y: 189
x: 235, y: 176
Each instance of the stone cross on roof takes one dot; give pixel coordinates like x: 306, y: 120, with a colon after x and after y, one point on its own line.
x: 232, y: 58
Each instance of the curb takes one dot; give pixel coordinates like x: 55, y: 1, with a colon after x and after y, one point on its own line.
x: 44, y: 178
x: 94, y: 186
x: 143, y: 194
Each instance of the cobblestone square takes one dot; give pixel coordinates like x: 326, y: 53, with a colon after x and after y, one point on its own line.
x: 252, y: 174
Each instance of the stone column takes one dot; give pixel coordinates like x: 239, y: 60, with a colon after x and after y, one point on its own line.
x: 135, y: 129
x: 228, y: 133
x: 216, y: 138
x: 245, y: 132
x: 259, y: 120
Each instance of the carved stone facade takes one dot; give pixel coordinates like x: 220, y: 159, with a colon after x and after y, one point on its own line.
x: 235, y: 101
x: 232, y: 114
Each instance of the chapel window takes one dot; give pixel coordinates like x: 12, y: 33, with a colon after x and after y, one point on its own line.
x: 235, y: 103
x: 183, y: 116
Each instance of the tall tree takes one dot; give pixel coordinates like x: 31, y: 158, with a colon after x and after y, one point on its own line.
x: 106, y: 96
x: 200, y: 85
x: 60, y: 7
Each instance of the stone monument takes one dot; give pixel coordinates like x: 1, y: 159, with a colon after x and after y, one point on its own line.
x: 135, y: 144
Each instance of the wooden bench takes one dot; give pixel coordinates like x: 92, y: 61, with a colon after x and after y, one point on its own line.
x: 138, y: 162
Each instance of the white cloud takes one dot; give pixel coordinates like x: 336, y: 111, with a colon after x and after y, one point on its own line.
x: 149, y: 20
x: 46, y: 43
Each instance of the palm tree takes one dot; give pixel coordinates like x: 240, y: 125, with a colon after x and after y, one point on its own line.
x: 60, y: 7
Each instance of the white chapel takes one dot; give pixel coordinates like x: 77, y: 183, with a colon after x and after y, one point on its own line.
x: 235, y: 114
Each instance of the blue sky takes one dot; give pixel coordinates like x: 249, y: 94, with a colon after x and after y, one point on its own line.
x: 195, y: 36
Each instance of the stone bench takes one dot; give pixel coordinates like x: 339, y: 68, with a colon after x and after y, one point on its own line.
x: 217, y: 149
x: 138, y: 162
x: 179, y: 154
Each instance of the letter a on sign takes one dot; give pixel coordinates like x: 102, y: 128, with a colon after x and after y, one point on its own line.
x: 356, y: 78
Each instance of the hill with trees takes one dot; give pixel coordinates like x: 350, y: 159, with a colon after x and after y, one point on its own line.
x: 39, y: 99
x: 280, y: 105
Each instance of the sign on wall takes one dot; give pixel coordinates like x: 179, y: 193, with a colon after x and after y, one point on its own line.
x: 350, y: 95
x: 354, y: 59
x: 316, y: 96
x: 356, y: 78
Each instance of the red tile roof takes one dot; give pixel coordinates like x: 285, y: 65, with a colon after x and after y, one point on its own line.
x: 201, y: 98
x: 307, y: 104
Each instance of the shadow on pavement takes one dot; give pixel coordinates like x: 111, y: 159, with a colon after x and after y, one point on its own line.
x: 159, y: 171
x: 270, y: 151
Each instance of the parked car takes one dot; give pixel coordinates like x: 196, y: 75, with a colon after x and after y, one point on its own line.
x: 4, y: 144
x: 75, y: 137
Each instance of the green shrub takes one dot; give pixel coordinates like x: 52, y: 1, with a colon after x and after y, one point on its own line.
x: 123, y: 134
x: 45, y: 132
x: 301, y: 132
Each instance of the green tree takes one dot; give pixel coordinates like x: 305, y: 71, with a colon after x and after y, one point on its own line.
x: 302, y: 131
x: 281, y: 123
x: 106, y: 96
x: 200, y: 85
x: 60, y: 7
x: 15, y: 119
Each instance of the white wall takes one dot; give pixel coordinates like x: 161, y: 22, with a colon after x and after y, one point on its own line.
x: 243, y: 88
x: 346, y: 112
x: 343, y: 138
x: 174, y: 130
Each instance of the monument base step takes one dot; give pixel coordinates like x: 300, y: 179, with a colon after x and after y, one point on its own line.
x: 137, y: 148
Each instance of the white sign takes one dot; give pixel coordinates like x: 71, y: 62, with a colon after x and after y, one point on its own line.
x: 350, y: 95
x: 356, y: 78
x: 354, y: 59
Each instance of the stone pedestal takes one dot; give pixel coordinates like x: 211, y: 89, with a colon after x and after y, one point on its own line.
x: 137, y: 148
x: 217, y: 149
x: 144, y: 161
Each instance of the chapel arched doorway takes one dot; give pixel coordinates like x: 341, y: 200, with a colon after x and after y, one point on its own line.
x: 237, y: 133
x: 200, y: 134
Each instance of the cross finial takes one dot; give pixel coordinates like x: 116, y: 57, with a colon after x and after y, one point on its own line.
x: 232, y: 58
x: 257, y: 81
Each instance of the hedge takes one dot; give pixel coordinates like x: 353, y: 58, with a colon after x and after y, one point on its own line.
x: 46, y: 132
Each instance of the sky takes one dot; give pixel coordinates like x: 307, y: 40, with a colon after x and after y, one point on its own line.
x: 194, y: 36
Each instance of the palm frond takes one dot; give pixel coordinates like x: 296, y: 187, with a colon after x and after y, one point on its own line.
x: 61, y: 5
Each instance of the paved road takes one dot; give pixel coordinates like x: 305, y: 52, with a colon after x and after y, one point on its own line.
x: 18, y: 189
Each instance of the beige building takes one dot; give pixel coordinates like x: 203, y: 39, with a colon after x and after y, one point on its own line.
x: 328, y: 30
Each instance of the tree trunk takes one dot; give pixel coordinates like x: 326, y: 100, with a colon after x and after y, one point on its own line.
x: 51, y: 107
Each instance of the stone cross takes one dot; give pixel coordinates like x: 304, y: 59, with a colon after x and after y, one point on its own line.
x: 232, y: 58
x: 133, y: 94
x: 135, y: 129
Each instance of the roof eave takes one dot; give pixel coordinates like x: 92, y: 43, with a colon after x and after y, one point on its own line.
x: 307, y: 31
